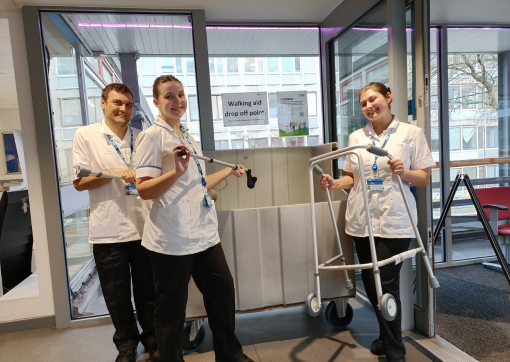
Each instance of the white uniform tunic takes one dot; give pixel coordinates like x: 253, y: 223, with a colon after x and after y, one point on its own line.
x: 178, y: 223
x: 387, y: 208
x: 114, y: 216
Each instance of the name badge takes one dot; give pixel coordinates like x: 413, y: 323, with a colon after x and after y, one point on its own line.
x: 207, y: 201
x: 131, y: 190
x: 375, y: 185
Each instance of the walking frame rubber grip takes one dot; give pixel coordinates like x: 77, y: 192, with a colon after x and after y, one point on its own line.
x: 377, y: 151
x: 318, y: 170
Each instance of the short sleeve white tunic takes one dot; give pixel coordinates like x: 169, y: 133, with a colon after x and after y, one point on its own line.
x: 387, y: 208
x: 178, y: 223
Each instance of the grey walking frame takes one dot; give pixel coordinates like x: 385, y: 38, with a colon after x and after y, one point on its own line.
x: 386, y: 303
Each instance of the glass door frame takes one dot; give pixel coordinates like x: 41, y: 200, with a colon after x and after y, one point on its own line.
x: 425, y: 301
x: 419, y: 316
x: 444, y: 153
x: 45, y: 142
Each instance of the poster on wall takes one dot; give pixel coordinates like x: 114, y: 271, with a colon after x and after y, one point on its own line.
x: 244, y: 109
x: 292, y: 113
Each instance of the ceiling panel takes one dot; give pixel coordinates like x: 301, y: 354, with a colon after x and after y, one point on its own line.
x: 153, y: 35
x: 484, y: 40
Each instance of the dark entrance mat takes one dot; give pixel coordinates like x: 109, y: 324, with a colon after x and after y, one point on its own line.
x: 473, y: 311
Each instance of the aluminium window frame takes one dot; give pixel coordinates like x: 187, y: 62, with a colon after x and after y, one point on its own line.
x: 45, y: 145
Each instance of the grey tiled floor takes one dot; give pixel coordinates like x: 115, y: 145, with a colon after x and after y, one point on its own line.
x: 280, y: 336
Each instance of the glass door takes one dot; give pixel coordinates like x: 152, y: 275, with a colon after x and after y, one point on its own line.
x: 420, y: 72
x: 82, y: 57
x: 359, y: 56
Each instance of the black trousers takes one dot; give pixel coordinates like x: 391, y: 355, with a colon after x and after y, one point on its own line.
x: 212, y: 277
x: 117, y: 265
x: 389, y: 332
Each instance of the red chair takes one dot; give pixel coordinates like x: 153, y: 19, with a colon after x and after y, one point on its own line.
x: 496, y: 202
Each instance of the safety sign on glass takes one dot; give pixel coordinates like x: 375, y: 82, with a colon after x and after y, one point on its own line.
x: 244, y: 109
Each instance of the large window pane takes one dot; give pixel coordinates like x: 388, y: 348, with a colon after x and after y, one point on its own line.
x: 68, y: 115
x: 478, y: 110
x: 356, y: 63
x: 260, y: 73
x: 357, y: 54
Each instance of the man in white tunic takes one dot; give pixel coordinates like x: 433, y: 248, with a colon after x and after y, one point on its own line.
x: 116, y: 221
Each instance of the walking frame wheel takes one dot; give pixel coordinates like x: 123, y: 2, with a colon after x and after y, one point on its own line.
x: 388, y: 307
x: 313, y: 305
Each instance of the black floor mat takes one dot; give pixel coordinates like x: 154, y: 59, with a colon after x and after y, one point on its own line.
x: 473, y: 311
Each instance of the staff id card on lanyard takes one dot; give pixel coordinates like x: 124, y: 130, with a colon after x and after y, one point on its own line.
x: 129, y: 189
x: 207, y: 199
x: 375, y: 184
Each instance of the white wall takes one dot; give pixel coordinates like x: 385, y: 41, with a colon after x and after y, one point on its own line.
x: 41, y: 305
x: 9, y: 119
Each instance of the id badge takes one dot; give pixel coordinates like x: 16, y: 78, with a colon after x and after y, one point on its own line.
x: 131, y: 190
x: 375, y: 185
x: 207, y: 201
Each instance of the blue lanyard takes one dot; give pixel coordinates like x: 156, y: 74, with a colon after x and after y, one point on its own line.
x: 204, y: 183
x: 374, y: 166
x: 118, y: 150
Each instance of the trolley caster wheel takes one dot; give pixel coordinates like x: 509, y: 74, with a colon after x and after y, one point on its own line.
x: 335, y: 321
x: 188, y: 346
x: 312, y: 305
x: 388, y: 307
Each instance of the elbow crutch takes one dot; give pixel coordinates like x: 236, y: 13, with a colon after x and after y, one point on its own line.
x: 250, y: 182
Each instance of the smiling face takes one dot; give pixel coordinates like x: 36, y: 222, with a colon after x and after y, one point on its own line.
x: 375, y: 106
x: 171, y: 101
x: 118, y: 109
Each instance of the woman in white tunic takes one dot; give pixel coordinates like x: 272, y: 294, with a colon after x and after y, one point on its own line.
x: 391, y: 225
x: 181, y: 232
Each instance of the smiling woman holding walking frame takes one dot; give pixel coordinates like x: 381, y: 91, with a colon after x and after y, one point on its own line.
x: 181, y: 231
x: 392, y: 228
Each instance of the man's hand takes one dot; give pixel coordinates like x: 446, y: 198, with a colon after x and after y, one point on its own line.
x: 127, y: 174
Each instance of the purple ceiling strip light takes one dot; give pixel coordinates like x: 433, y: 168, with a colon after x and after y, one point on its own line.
x: 108, y: 25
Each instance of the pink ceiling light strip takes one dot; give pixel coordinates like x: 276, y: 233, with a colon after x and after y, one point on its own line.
x: 108, y: 25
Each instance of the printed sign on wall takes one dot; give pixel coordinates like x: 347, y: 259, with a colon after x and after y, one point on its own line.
x: 244, y: 109
x: 292, y: 113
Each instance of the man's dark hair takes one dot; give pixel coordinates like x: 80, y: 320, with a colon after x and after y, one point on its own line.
x: 117, y: 87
